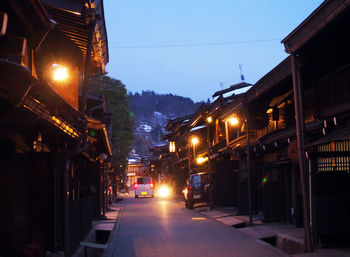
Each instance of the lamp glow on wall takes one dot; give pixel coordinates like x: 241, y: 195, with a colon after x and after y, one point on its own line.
x: 201, y: 160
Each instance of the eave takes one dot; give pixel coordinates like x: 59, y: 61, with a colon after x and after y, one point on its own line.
x: 270, y: 80
x: 73, y: 23
x: 39, y: 98
x: 314, y: 23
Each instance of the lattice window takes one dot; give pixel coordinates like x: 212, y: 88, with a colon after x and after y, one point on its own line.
x: 336, y: 163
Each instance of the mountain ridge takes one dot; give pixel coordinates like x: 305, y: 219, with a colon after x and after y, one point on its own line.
x: 151, y: 112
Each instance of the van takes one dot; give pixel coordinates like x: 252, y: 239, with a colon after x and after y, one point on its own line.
x: 144, y: 187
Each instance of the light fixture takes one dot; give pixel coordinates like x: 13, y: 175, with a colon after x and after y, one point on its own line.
x: 172, y: 147
x: 194, y: 140
x: 59, y: 73
x: 209, y: 119
x: 233, y: 121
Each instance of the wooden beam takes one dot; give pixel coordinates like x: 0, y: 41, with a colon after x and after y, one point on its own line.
x: 3, y: 23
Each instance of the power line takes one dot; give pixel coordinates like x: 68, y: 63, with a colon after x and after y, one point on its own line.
x: 199, y: 44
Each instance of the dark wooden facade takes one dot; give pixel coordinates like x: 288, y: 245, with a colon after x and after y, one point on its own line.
x: 320, y: 48
x: 261, y: 151
x: 49, y: 176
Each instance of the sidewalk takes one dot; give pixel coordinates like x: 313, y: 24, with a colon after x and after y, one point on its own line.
x: 116, y: 205
x: 97, y: 242
x: 285, y: 237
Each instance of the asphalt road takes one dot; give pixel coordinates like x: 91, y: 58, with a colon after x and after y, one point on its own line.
x: 155, y: 227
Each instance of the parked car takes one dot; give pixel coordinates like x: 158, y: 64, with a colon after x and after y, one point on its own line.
x: 144, y: 187
x: 197, y: 189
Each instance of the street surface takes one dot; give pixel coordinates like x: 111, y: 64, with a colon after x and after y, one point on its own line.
x: 164, y: 227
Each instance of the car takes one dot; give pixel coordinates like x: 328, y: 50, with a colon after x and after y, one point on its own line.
x: 144, y: 187
x: 196, y: 189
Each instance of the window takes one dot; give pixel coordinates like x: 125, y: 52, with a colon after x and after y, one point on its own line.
x: 195, y: 180
x: 143, y: 181
x: 334, y: 163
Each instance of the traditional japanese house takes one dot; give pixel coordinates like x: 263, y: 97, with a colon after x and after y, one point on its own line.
x: 162, y: 164
x: 223, y: 167
x: 197, y: 147
x: 44, y: 203
x: 320, y: 60
x: 268, y: 174
x: 178, y: 146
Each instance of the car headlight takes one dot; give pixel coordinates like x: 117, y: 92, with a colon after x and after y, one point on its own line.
x: 164, y: 191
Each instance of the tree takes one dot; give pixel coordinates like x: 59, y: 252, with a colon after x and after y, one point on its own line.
x: 122, y: 122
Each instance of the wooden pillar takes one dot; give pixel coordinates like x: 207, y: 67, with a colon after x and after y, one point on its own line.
x: 300, y: 127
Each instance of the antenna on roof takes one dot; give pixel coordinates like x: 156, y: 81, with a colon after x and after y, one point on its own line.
x: 240, y: 71
x: 222, y: 85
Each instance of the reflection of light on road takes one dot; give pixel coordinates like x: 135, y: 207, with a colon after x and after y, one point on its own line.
x: 163, y: 206
x: 198, y: 218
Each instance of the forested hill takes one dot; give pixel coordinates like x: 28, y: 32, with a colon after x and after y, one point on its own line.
x: 151, y: 112
x: 144, y: 105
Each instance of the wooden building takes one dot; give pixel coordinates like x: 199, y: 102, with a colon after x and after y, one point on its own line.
x: 320, y: 59
x: 49, y: 176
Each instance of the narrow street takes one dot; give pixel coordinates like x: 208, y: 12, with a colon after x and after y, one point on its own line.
x: 164, y: 227
x: 241, y: 109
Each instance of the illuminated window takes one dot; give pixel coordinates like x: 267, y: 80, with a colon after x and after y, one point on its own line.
x: 334, y: 163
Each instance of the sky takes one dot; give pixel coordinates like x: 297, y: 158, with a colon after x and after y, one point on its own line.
x: 194, y: 48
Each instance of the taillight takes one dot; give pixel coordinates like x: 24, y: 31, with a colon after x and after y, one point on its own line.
x: 135, y: 185
x: 151, y: 185
x: 189, y: 187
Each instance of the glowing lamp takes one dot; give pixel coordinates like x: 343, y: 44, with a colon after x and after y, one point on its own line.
x: 59, y: 73
x: 233, y: 121
x: 209, y: 119
x: 194, y: 140
x: 172, y: 147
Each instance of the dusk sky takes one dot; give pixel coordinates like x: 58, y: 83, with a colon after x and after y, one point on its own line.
x: 193, y: 48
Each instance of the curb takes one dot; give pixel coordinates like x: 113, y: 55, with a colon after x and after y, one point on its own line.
x: 112, y: 239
